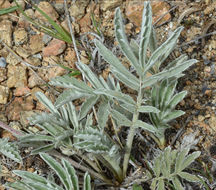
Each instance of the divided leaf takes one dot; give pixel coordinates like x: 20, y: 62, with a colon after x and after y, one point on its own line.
x: 123, y: 42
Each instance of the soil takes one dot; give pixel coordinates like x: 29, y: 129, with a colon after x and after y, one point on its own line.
x: 20, y: 81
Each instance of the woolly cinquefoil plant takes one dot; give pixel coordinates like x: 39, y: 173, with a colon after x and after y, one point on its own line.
x: 83, y: 134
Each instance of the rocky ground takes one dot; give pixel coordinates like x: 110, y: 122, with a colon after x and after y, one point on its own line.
x: 28, y: 61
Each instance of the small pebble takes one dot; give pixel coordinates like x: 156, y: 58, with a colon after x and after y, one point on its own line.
x: 46, y: 39
x: 3, y: 62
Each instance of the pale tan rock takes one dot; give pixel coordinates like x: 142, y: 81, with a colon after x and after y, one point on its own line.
x: 75, y: 26
x: 36, y: 44
x: 17, y: 106
x: 48, y: 9
x: 3, y: 74
x: 85, y: 23
x: 212, y: 123
x: 77, y: 8
x: 70, y: 57
x: 20, y: 2
x: 12, y: 16
x: 134, y: 11
x: 23, y: 52
x: 6, y: 32
x: 55, y: 47
x: 84, y: 58
x: 107, y: 5
x: 47, y: 74
x: 4, y: 92
x: 22, y: 22
x: 20, y: 36
x: 33, y: 81
x: 12, y: 60
x: 16, y: 76
x: 33, y: 92
x: 22, y: 91
x: 34, y: 61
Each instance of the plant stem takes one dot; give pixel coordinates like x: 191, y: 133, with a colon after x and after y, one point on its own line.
x: 132, y: 132
x: 14, y: 132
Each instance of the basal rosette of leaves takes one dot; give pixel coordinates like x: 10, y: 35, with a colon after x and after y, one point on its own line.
x: 82, y: 133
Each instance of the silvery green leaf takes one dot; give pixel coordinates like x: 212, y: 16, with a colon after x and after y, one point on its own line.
x: 111, y: 83
x: 18, y: 185
x: 36, y: 137
x: 87, y: 182
x: 176, y: 99
x: 64, y: 113
x: 154, y: 96
x: 89, y: 120
x: 175, y: 71
x: 59, y: 170
x: 157, y: 168
x: 153, y: 184
x: 177, y: 61
x: 147, y: 109
x: 164, y: 168
x: 73, y: 117
x: 87, y: 106
x: 92, y: 147
x: 149, y: 81
x: 44, y: 148
x: 70, y: 82
x: 137, y: 187
x: 162, y: 91
x: 103, y: 114
x: 146, y: 29
x: 162, y: 52
x: 168, y: 159
x: 123, y: 42
x: 115, y: 63
x: 51, y: 129
x: 117, y: 95
x: 46, y: 117
x: 124, y: 79
x: 10, y: 150
x: 46, y: 102
x: 68, y: 96
x: 130, y: 108
x: 135, y: 47
x: 180, y: 159
x: 36, y: 186
x: 64, y: 137
x: 169, y: 93
x: 189, y: 159
x: 71, y: 175
x: 172, y: 115
x: 121, y: 119
x: 90, y: 76
x: 125, y: 110
x: 103, y: 82
x: 188, y: 177
x: 153, y: 41
x: 155, y: 119
x: 161, y: 185
x: 35, y: 181
x: 177, y: 184
x: 30, y: 176
x: 145, y: 126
